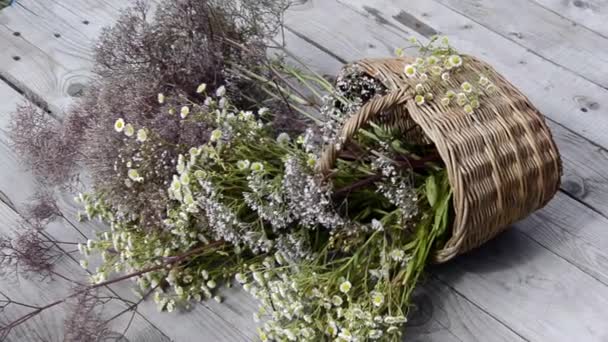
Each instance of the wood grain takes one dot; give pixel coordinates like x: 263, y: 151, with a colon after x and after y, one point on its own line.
x: 590, y: 14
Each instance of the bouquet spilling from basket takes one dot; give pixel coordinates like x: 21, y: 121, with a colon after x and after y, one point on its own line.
x: 329, y: 224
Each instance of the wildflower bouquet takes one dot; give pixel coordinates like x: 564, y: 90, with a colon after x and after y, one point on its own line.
x: 329, y: 227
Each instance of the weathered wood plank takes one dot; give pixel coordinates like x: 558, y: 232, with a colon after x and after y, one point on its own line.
x: 591, y: 14
x: 545, y: 33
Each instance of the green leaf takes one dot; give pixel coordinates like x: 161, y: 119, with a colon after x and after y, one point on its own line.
x: 431, y: 190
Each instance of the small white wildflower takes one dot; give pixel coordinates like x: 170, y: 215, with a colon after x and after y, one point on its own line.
x: 337, y: 300
x: 257, y: 167
x: 221, y: 91
x: 184, y: 112
x: 345, y: 286
x: 419, y: 62
x: 377, y: 299
x: 201, y: 88
x: 419, y: 88
x: 468, y: 109
x: 445, y: 101
x: 450, y: 94
x: 466, y: 87
x: 397, y: 254
x: 222, y: 103
x: 332, y: 329
x: 134, y: 175
x: 445, y: 76
x: 243, y: 164
x: 217, y: 299
x: 170, y: 306
x: 375, y: 334
x: 216, y: 135
x: 377, y: 225
x: 455, y: 60
x: 205, y: 274
x: 491, y: 88
x: 432, y: 60
x: 142, y: 135
x: 211, y: 284
x: 424, y: 77
x: 84, y: 263
x: 429, y: 96
x: 436, y: 70
x: 345, y: 335
x: 409, y: 70
x: 129, y: 130
x: 263, y: 111
x: 475, y: 103
x: 483, y: 81
x: 119, y: 125
x: 419, y: 100
x: 241, y: 278
x: 462, y: 99
x: 283, y: 138
x: 161, y: 98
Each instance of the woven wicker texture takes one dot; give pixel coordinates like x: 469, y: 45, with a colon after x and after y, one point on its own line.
x: 501, y: 160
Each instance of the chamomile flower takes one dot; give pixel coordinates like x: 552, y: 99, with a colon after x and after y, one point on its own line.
x: 241, y: 278
x: 216, y: 135
x: 135, y: 176
x: 429, y: 96
x: 436, y: 70
x: 432, y: 60
x: 445, y: 101
x: 461, y: 99
x: 491, y: 88
x: 483, y: 81
x: 184, y: 112
x: 331, y: 329
x: 466, y: 87
x: 409, y: 70
x: 221, y: 91
x: 374, y: 334
x: 218, y: 299
x: 345, y: 286
x: 475, y: 103
x: 263, y: 111
x: 397, y: 254
x: 201, y: 88
x: 445, y: 76
x: 450, y: 94
x: 211, y: 284
x: 468, y: 109
x: 257, y: 167
x: 161, y: 98
x: 243, y: 164
x: 283, y: 138
x: 84, y: 263
x: 119, y: 125
x: 129, y: 130
x: 424, y: 77
x: 419, y: 88
x: 455, y: 61
x: 377, y: 299
x: 337, y: 300
x: 419, y: 100
x: 142, y: 135
x: 419, y: 62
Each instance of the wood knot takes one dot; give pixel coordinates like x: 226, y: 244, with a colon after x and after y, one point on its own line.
x: 580, y: 4
x: 575, y: 187
x: 76, y: 89
x: 586, y: 104
x: 422, y: 310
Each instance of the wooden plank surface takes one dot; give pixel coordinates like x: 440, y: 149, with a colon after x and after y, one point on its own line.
x: 544, y: 280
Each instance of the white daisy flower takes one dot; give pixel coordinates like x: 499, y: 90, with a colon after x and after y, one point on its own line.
x: 142, y: 135
x: 283, y: 138
x: 377, y: 299
x: 468, y: 109
x: 419, y: 88
x: 345, y: 286
x: 161, y: 98
x: 201, y: 88
x: 445, y: 76
x: 129, y: 130
x: 445, y: 101
x: 243, y: 164
x: 257, y: 167
x: 455, y: 60
x: 119, y: 125
x: 466, y: 87
x: 409, y: 70
x: 221, y: 91
x: 337, y: 300
x: 419, y: 100
x: 184, y: 112
x: 216, y: 135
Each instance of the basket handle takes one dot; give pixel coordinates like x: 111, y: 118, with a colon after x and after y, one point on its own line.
x: 367, y: 113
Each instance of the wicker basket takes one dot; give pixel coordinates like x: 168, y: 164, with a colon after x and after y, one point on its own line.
x: 501, y: 160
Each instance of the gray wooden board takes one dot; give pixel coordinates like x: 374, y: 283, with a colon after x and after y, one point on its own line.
x: 488, y: 295
x: 590, y: 14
